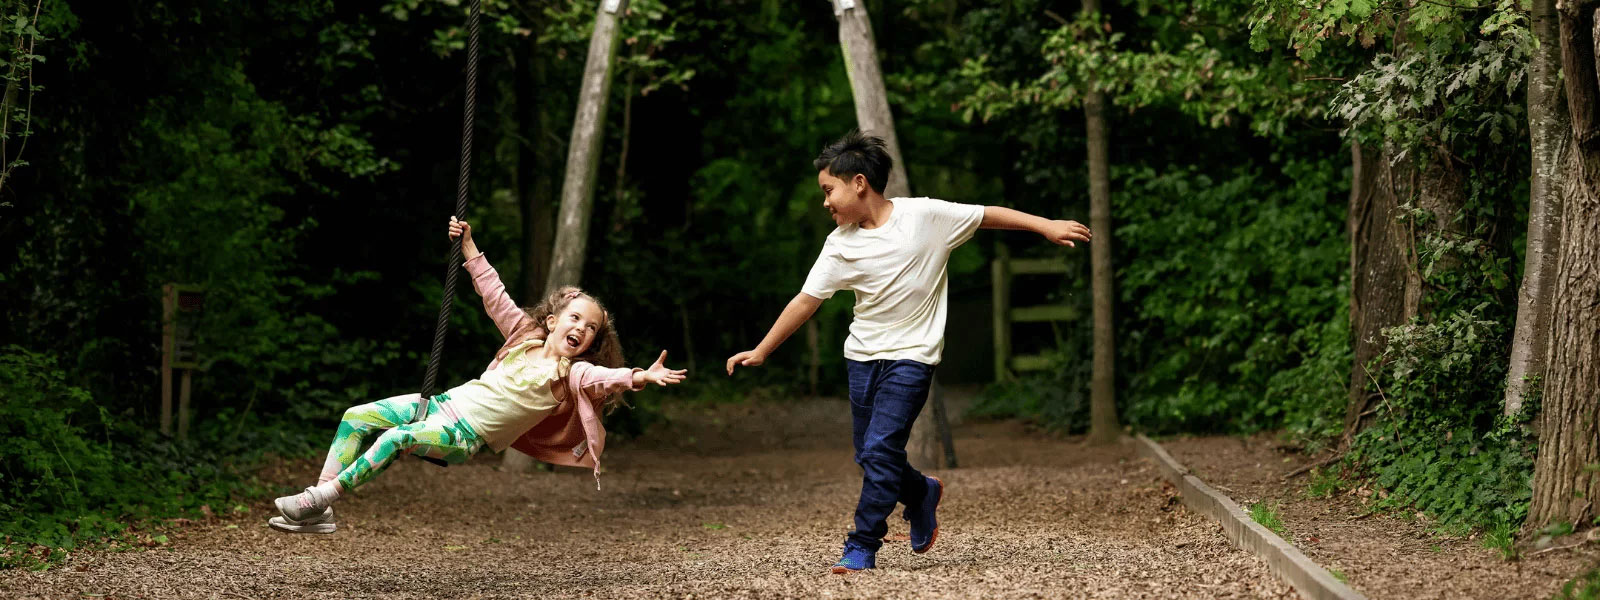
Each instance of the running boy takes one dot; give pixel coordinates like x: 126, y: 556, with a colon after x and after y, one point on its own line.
x: 891, y: 252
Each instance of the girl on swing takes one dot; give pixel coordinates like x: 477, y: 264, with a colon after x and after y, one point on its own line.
x: 542, y: 394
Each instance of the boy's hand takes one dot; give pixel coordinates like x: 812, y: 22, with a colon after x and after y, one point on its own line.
x: 1064, y: 233
x: 748, y: 358
x: 659, y: 374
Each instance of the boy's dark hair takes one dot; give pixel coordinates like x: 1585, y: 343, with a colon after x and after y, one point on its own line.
x: 857, y: 154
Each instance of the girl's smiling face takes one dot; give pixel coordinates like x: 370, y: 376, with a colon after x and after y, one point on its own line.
x: 574, y: 327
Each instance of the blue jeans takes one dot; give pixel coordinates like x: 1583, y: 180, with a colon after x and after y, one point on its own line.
x: 885, y: 398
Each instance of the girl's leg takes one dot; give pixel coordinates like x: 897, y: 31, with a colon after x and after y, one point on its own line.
x: 438, y: 437
x: 359, y: 423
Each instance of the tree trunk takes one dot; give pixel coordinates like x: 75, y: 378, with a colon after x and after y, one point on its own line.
x: 873, y: 116
x: 1387, y: 287
x: 1103, y: 427
x: 866, y: 85
x: 1377, y: 270
x: 533, y: 181
x: 583, y: 163
x: 1566, y: 475
x: 1551, y: 132
x: 583, y: 151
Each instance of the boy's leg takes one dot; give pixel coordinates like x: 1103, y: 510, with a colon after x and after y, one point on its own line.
x: 861, y: 375
x: 359, y: 423
x: 897, y: 390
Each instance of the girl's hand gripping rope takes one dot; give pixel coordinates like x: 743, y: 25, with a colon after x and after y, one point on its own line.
x: 463, y: 230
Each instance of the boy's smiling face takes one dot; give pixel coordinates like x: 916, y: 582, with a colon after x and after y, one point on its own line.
x: 844, y: 199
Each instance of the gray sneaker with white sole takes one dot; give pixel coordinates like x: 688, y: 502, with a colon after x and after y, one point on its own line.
x: 320, y: 523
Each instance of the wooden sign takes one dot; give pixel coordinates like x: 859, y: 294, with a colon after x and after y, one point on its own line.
x: 181, y: 309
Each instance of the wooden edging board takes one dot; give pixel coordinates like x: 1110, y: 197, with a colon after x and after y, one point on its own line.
x: 1282, y: 558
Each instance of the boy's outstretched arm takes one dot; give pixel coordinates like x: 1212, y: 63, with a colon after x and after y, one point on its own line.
x: 1059, y: 232
x: 794, y: 315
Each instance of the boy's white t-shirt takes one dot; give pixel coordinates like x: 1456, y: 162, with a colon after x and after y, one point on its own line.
x: 897, y: 271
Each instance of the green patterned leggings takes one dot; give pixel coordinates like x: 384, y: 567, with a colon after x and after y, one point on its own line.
x: 439, y: 436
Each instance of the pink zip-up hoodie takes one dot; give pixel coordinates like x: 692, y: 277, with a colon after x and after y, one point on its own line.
x: 571, y: 435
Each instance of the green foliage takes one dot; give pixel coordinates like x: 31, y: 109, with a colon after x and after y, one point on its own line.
x: 1234, y: 325
x: 79, y: 475
x: 1440, y: 444
x: 1325, y: 483
x: 1055, y: 399
x: 1462, y: 479
x: 1443, y: 95
x: 56, y: 457
x: 1582, y: 587
x: 19, y: 23
x: 1194, y: 76
x: 1267, y: 516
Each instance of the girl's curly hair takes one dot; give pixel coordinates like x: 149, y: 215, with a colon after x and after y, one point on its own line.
x: 604, y: 351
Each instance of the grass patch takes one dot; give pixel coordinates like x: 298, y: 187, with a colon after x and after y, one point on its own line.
x: 1325, y: 483
x: 1267, y: 516
x: 1339, y: 575
x: 1502, y: 537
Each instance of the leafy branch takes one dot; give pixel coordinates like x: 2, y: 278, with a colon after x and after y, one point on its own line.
x: 19, y: 87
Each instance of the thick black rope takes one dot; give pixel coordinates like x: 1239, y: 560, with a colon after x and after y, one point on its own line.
x: 461, y: 210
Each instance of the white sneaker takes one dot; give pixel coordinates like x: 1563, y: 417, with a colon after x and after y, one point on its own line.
x: 304, y: 505
x: 319, y: 523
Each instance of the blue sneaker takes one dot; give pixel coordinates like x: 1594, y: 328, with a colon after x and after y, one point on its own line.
x: 924, y: 519
x: 855, y: 559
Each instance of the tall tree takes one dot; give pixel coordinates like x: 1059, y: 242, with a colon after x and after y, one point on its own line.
x: 1413, y: 199
x: 873, y: 116
x: 1376, y: 264
x: 1103, y: 426
x: 583, y: 150
x: 1550, y: 129
x: 583, y: 164
x: 1566, y: 476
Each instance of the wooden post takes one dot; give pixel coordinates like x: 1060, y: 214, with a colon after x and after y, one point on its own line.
x: 169, y: 300
x: 183, y: 406
x: 1000, y: 280
x: 181, y: 307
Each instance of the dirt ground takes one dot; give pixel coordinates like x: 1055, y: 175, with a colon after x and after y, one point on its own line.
x: 730, y: 501
x: 1382, y: 555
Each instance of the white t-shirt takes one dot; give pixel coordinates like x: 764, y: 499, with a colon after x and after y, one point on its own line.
x: 897, y: 271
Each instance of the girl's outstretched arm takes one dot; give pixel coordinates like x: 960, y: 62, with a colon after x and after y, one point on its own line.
x: 505, y: 312
x: 659, y: 374
x: 1059, y: 232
